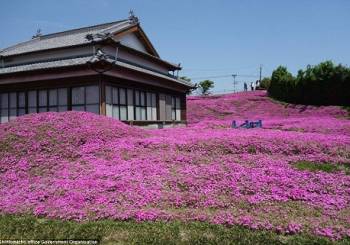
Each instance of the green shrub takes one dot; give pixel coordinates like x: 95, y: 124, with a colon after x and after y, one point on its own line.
x: 265, y: 83
x: 323, y: 84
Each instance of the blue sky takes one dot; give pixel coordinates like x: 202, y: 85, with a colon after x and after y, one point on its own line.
x: 210, y: 38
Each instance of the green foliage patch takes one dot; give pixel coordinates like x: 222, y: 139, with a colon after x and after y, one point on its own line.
x: 325, y: 167
x: 323, y: 84
x: 131, y: 232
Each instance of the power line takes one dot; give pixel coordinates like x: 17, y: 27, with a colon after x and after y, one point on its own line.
x: 223, y: 91
x: 222, y: 76
x: 218, y: 69
x: 234, y: 82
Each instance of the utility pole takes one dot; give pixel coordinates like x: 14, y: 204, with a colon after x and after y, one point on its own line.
x: 260, y: 73
x: 234, y: 82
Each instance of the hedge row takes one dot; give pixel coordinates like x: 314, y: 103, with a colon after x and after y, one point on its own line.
x: 323, y: 84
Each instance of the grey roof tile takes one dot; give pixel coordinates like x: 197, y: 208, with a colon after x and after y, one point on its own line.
x: 64, y: 39
x: 82, y: 61
x: 45, y: 65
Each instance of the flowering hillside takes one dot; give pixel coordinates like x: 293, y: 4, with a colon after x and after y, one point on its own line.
x: 253, y: 105
x: 219, y: 111
x: 80, y: 166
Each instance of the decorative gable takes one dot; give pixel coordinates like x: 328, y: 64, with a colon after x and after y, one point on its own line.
x: 132, y: 41
x: 136, y: 38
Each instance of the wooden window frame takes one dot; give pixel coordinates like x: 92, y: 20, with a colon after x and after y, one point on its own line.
x: 25, y: 103
x: 140, y: 106
x: 70, y: 98
x: 174, y: 107
x: 119, y: 104
x: 134, y: 105
x: 38, y: 102
x: 7, y: 108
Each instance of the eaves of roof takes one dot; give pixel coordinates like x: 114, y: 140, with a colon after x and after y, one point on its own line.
x: 80, y: 61
x: 110, y: 40
x: 154, y: 58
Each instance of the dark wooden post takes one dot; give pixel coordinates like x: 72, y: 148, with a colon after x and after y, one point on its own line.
x: 183, y: 107
x: 102, y: 87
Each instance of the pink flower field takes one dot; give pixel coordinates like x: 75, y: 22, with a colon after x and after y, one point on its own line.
x: 80, y: 166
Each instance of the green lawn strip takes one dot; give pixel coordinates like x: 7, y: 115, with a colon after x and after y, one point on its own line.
x: 325, y: 167
x: 131, y: 232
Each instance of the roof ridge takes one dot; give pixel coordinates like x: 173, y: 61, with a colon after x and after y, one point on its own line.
x: 114, y: 26
x: 81, y: 28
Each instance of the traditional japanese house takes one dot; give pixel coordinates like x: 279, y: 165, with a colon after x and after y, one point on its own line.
x: 110, y: 69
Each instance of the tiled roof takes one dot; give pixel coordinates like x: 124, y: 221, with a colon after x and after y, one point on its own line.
x: 85, y: 60
x: 147, y: 71
x: 65, y: 39
x: 45, y: 65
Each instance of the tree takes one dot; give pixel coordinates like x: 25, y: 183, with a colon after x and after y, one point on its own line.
x: 322, y: 84
x: 282, y: 84
x: 187, y: 79
x: 205, y: 86
x: 265, y: 83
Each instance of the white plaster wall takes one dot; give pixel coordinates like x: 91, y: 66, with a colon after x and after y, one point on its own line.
x: 132, y: 41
